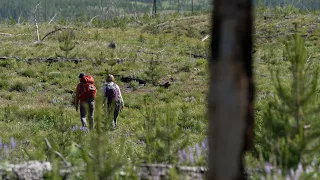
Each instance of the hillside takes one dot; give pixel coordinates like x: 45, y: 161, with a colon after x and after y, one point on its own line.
x: 157, y: 124
x: 36, y: 94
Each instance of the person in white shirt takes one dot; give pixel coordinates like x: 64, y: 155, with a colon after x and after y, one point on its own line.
x: 113, y: 97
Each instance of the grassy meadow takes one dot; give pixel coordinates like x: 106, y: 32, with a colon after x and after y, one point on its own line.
x: 157, y: 125
x: 37, y: 98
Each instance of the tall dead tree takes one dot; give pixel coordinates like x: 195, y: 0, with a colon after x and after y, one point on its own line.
x: 154, y: 7
x: 192, y: 6
x: 36, y: 23
x: 231, y: 89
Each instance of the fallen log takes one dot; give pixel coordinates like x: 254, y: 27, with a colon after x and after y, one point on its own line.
x: 77, y: 60
x: 198, y: 56
x: 50, y: 60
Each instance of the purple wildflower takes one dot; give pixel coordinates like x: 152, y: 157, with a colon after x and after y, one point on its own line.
x: 299, y: 171
x: 6, y: 150
x: 85, y: 129
x: 12, y: 143
x: 74, y: 128
x: 198, y: 150
x: 1, y: 144
x: 309, y: 169
x: 54, y: 101
x: 292, y: 173
x: 180, y: 156
x: 267, y: 168
x: 183, y: 155
x: 204, y: 144
x: 288, y: 177
x: 191, y: 158
x: 314, y: 161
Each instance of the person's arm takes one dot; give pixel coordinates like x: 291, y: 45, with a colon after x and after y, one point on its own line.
x: 120, y: 96
x: 104, y: 94
x: 77, y: 97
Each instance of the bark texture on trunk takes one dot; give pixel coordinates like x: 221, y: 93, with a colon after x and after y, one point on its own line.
x: 231, y: 90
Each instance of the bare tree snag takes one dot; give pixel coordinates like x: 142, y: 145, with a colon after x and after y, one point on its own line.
x: 231, y: 90
x: 192, y: 4
x: 154, y: 7
x: 36, y: 23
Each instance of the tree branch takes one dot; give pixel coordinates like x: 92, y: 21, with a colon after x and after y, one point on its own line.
x: 56, y: 152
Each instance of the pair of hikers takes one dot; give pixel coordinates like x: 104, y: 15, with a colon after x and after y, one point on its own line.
x: 86, y: 94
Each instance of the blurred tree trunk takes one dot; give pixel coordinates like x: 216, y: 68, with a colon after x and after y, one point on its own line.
x: 231, y: 89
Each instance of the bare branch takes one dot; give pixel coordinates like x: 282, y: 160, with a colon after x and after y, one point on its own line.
x: 93, y: 18
x: 56, y: 152
x: 36, y: 8
x: 53, y: 18
x: 136, y: 18
x: 54, y: 31
x: 91, y: 155
x: 205, y: 38
x: 6, y: 34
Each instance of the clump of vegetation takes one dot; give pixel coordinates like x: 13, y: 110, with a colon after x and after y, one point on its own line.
x: 67, y: 42
x: 154, y: 70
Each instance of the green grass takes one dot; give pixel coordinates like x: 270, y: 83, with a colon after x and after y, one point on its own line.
x: 36, y: 98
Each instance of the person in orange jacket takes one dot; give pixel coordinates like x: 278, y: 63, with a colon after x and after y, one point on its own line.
x: 84, y: 103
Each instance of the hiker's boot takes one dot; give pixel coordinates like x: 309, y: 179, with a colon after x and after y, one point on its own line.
x: 84, y: 122
x: 114, y: 125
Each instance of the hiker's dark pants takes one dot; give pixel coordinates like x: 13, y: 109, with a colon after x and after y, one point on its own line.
x: 113, y: 110
x: 84, y: 107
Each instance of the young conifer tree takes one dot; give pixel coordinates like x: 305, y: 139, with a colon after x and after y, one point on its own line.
x: 290, y: 121
x: 66, y: 41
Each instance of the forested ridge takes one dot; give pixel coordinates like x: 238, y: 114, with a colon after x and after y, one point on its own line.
x: 75, y: 9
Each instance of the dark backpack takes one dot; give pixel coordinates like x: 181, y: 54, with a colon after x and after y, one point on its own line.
x: 89, y: 90
x: 111, y: 93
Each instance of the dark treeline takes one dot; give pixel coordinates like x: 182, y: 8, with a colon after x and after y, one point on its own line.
x: 302, y: 4
x: 23, y: 10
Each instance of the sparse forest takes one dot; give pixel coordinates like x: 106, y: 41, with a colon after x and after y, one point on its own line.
x: 160, y: 56
x: 80, y: 10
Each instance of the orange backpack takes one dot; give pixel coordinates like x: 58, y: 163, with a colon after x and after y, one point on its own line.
x: 89, y: 89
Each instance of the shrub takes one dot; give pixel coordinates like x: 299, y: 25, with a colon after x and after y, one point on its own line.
x: 9, y: 63
x: 29, y: 73
x: 19, y: 86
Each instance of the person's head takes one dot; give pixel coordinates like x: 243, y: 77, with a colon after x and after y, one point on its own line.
x: 110, y: 78
x: 81, y: 75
